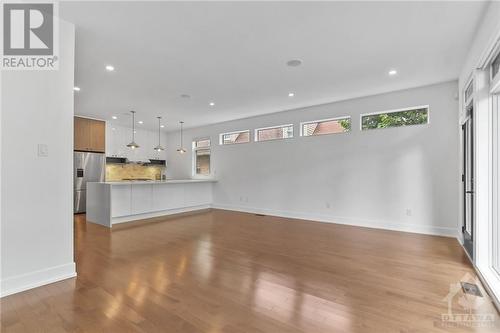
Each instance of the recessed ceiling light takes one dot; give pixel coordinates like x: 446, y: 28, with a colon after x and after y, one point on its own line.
x: 135, y: 131
x: 113, y: 128
x: 291, y: 94
x: 76, y: 88
x: 110, y: 68
x: 114, y: 117
x: 393, y: 72
x: 162, y: 126
x: 294, y: 63
x: 212, y: 104
x: 140, y: 122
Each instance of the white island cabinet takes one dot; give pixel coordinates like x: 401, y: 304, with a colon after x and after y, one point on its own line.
x: 109, y: 203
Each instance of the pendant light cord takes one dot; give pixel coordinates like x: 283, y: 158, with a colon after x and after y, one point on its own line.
x: 159, y: 132
x: 182, y: 145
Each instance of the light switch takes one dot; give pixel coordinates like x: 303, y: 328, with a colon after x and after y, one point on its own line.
x: 43, y: 150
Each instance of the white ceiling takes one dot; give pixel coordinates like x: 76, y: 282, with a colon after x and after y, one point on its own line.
x: 235, y: 54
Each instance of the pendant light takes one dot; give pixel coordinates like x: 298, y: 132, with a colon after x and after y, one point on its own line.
x: 181, y: 148
x: 159, y: 147
x: 132, y: 144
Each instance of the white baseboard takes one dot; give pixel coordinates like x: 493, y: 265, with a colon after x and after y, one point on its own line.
x: 419, y: 229
x: 35, y: 279
x: 130, y: 218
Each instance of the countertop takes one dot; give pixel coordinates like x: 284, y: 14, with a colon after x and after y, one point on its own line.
x: 157, y: 182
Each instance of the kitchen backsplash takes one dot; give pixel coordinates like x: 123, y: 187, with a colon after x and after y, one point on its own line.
x: 117, y: 172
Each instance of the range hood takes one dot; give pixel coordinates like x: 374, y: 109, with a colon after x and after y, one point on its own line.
x: 124, y: 160
x: 116, y: 160
x: 157, y: 162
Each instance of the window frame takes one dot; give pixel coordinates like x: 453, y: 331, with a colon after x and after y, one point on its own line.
x: 195, y: 149
x: 256, y: 131
x: 221, y: 139
x: 494, y: 81
x: 494, y: 247
x: 322, y: 121
x: 394, y: 111
x: 468, y: 100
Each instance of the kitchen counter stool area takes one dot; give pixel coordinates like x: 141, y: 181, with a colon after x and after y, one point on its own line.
x: 109, y: 203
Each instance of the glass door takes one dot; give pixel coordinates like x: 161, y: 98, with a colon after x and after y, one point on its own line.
x: 468, y: 181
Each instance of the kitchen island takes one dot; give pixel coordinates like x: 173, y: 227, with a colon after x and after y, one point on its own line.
x: 109, y: 203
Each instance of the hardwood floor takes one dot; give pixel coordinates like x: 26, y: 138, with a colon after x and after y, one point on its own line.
x: 229, y: 272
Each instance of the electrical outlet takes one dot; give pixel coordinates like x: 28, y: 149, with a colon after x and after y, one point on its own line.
x: 327, y: 204
x: 408, y: 212
x: 43, y: 150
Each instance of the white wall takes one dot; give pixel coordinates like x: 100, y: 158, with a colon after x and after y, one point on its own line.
x: 117, y: 138
x: 368, y: 178
x: 37, y: 192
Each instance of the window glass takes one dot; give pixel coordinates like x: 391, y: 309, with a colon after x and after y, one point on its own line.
x: 235, y: 137
x: 327, y: 126
x: 201, y: 143
x: 274, y: 133
x: 201, y: 157
x: 417, y: 116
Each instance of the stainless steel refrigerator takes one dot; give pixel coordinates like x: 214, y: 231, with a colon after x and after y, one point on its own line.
x: 87, y: 167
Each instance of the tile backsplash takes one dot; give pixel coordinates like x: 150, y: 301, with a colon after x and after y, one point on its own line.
x: 117, y: 172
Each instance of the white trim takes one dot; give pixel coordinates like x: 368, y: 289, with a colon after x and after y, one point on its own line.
x: 393, y: 111
x: 91, y: 118
x: 256, y: 132
x: 495, y: 222
x: 130, y: 218
x: 466, y: 101
x: 38, y: 278
x: 484, y: 281
x: 494, y: 82
x: 491, y: 284
x: 483, y: 175
x: 301, y: 130
x: 490, y: 52
x: 325, y: 218
x: 221, y: 141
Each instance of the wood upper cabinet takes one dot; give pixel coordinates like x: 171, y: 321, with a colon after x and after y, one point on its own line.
x: 89, y: 135
x: 97, y: 136
x: 82, y: 134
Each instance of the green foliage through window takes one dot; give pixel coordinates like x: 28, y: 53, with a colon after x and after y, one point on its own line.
x: 395, y: 119
x: 346, y: 124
